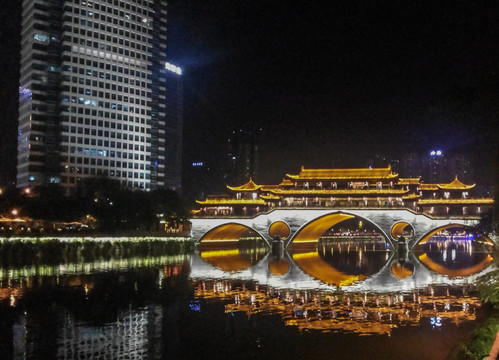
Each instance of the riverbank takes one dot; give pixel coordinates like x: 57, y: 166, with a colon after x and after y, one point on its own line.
x: 484, y: 342
x: 18, y: 252
x: 96, y: 238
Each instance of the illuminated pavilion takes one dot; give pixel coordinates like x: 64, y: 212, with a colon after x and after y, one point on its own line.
x: 347, y: 188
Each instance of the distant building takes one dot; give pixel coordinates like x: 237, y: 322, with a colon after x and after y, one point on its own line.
x: 243, y: 152
x: 433, y: 167
x: 198, y: 182
x: 100, y: 92
x: 411, y: 165
x: 173, y: 127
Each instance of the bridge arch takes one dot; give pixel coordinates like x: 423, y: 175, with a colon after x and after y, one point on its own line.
x: 311, y: 231
x: 428, y: 235
x: 398, y: 229
x: 227, y: 233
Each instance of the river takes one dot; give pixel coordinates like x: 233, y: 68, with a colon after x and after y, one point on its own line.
x: 342, y: 299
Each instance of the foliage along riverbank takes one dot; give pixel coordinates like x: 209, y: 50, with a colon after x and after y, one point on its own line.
x: 113, y: 210
x: 51, y: 251
x: 484, y: 335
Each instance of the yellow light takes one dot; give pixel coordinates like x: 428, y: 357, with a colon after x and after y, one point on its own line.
x: 216, y: 253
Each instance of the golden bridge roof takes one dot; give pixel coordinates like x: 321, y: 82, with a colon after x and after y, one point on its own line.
x: 225, y: 201
x: 409, y: 181
x: 428, y: 187
x: 344, y: 192
x: 269, y: 187
x: 344, y: 174
x: 455, y: 185
x: 411, y: 197
x: 249, y: 186
x: 478, y: 201
x: 286, y: 182
x: 270, y: 197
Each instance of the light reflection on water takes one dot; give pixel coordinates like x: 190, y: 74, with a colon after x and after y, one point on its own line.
x: 346, y: 266
x: 165, y: 305
x: 362, y: 313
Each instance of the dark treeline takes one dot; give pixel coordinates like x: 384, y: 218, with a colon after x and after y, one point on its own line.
x: 114, y: 209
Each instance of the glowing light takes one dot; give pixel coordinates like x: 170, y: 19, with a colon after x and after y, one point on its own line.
x: 436, y: 321
x: 173, y: 68
x: 194, y: 305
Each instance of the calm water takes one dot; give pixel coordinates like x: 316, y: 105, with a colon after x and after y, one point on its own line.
x: 345, y: 299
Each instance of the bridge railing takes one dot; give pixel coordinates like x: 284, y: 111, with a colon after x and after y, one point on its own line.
x: 345, y: 208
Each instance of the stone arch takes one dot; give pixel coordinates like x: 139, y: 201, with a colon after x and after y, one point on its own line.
x: 398, y: 228
x: 279, y: 227
x: 312, y: 230
x: 229, y: 232
x: 429, y: 234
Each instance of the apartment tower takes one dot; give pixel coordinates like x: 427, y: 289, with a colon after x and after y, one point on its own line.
x: 94, y: 82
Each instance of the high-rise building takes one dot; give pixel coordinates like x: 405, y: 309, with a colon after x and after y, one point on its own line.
x: 173, y: 128
x: 433, y: 167
x: 243, y: 154
x: 96, y: 71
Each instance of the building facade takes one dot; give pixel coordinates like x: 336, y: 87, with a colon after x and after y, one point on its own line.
x: 173, y: 127
x: 243, y: 153
x: 95, y: 71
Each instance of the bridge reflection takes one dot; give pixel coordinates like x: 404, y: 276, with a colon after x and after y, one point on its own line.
x: 351, y: 265
x: 357, y: 312
x: 361, y: 285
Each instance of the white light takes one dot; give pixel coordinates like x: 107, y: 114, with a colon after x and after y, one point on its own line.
x: 173, y: 68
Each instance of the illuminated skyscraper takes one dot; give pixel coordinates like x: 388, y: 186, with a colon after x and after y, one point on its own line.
x: 173, y: 127
x: 98, y: 82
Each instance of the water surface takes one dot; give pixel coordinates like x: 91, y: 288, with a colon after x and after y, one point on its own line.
x: 338, y: 300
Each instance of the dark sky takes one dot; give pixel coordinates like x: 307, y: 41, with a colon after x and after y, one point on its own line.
x: 335, y: 79
x: 327, y: 80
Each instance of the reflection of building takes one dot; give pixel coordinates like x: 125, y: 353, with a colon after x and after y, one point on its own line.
x: 132, y: 336
x: 348, y: 188
x: 99, y: 95
x: 361, y: 313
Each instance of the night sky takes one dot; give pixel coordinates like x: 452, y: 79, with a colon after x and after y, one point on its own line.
x: 334, y: 80
x: 330, y: 80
